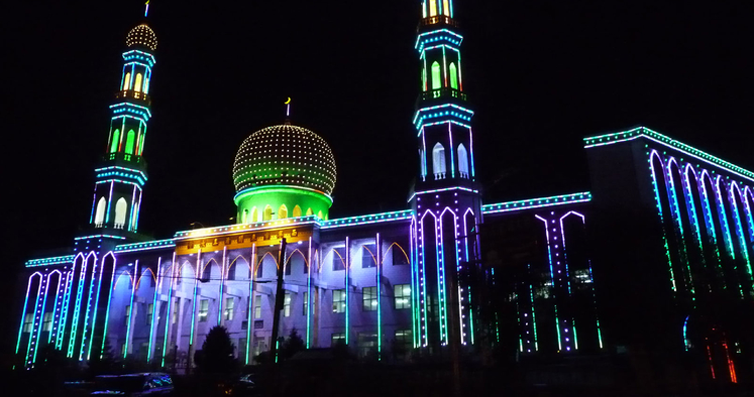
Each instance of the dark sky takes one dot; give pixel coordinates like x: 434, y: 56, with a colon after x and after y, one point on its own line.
x: 541, y: 75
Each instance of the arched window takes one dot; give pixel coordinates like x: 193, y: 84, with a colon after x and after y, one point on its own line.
x: 254, y: 215
x: 282, y: 212
x: 309, y: 212
x: 99, y: 215
x: 130, y: 139
x: 127, y: 81
x: 137, y: 82
x: 116, y: 141
x: 319, y: 214
x: 438, y: 161
x: 267, y: 215
x: 445, y: 8
x: 432, y: 8
x: 463, y: 161
x: 296, y: 211
x: 436, y: 76
x: 120, y: 213
x: 424, y: 9
x: 453, y: 76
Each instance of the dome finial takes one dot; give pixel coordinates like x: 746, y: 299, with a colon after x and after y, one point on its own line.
x: 146, y: 9
x: 288, y: 111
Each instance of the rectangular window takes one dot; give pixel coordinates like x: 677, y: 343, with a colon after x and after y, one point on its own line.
x: 258, y: 306
x: 176, y: 307
x: 28, y: 322
x: 242, y: 348
x: 288, y: 267
x: 367, y: 344
x: 127, y: 317
x: 339, y: 259
x: 337, y: 337
x: 399, y: 255
x: 306, y: 302
x: 287, y: 304
x: 203, y: 310
x: 230, y: 306
x: 402, y: 294
x: 368, y: 256
x: 150, y: 307
x: 47, y: 322
x: 403, y: 341
x: 369, y: 299
x: 339, y: 301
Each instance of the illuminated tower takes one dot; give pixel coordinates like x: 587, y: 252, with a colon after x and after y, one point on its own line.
x: 446, y: 196
x: 121, y: 175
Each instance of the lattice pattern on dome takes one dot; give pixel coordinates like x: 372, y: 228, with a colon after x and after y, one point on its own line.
x: 142, y: 35
x: 285, y: 155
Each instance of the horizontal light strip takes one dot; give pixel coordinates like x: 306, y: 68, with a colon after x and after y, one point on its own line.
x: 50, y: 261
x: 368, y: 219
x: 312, y: 219
x: 437, y: 32
x: 99, y: 236
x: 134, y: 247
x: 442, y: 190
x: 638, y: 132
x: 521, y: 205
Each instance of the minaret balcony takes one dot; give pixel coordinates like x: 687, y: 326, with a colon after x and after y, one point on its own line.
x: 446, y: 92
x: 131, y: 94
x: 437, y: 19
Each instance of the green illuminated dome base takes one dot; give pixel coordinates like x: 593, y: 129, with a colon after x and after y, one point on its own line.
x: 281, y: 172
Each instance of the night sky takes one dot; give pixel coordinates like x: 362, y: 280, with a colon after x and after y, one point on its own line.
x: 541, y: 75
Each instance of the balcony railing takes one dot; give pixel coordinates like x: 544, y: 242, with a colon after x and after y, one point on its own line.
x: 131, y: 94
x: 438, y: 19
x: 443, y: 93
x: 124, y: 156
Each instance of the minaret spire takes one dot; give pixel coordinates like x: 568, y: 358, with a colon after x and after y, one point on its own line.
x: 146, y: 9
x: 288, y: 111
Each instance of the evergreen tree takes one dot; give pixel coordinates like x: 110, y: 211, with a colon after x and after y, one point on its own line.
x: 292, y: 345
x: 216, y: 356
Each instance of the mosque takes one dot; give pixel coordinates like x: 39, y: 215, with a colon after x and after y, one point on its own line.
x: 657, y: 253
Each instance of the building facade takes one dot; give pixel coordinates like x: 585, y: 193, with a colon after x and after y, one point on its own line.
x: 656, y: 254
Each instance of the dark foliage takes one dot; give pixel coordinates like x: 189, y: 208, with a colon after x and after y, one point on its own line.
x: 216, y: 356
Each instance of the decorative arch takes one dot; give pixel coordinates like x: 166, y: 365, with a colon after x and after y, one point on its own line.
x: 436, y: 76
x: 234, y: 262
x: 453, y: 74
x: 336, y: 253
x: 130, y: 141
x: 267, y: 215
x: 138, y: 82
x: 254, y: 215
x: 127, y: 81
x: 438, y: 161
x: 296, y: 211
x: 319, y: 214
x: 309, y: 212
x: 282, y: 212
x: 115, y: 142
x: 127, y: 277
x: 207, y: 269
x: 261, y: 260
x: 387, y: 252
x: 180, y: 272
x: 463, y: 161
x: 374, y: 258
x: 121, y: 208
x: 99, y: 217
x: 290, y: 258
x: 154, y: 277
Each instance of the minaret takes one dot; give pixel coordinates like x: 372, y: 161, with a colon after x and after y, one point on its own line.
x: 121, y: 175
x: 446, y: 196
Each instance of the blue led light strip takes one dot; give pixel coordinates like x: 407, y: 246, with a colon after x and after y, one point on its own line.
x: 520, y: 205
x: 77, y: 304
x: 252, y: 266
x: 168, y: 313
x: 131, y: 310
x: 155, y: 319
x: 609, y: 139
x: 367, y: 219
x: 111, y: 291
x: 58, y: 260
x: 440, y: 35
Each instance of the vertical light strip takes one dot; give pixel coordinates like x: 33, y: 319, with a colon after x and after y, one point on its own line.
x: 658, y: 201
x: 452, y: 149
x: 131, y: 311
x: 77, y: 304
x: 676, y: 215
x: 193, y: 302
x: 96, y: 306
x: 88, y: 306
x: 222, y: 286
x: 94, y: 204
x: 422, y: 262
x: 252, y: 274
x: 309, y: 294
x: 55, y: 307
x: 109, y: 201
x: 348, y: 289
x: 471, y: 150
x: 109, y: 299
x: 155, y: 318
x: 38, y: 320
x: 168, y: 313
x: 414, y: 289
x: 379, y: 296
x: 444, y: 66
x: 23, y: 313
x: 552, y: 278
x: 60, y: 337
x: 534, y: 319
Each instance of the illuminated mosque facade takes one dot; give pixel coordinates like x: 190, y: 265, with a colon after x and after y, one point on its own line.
x: 447, y: 271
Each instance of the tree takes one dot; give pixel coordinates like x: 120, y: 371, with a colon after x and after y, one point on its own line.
x: 104, y: 364
x: 292, y: 345
x: 216, y: 356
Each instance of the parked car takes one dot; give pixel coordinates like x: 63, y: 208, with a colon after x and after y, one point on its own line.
x: 245, y: 386
x: 134, y: 385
